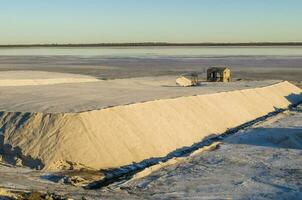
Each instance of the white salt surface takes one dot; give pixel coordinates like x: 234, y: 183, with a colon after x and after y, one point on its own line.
x: 49, y: 93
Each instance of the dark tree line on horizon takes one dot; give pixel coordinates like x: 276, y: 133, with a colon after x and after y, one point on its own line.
x: 158, y: 44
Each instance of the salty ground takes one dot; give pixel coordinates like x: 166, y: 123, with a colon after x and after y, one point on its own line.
x: 244, y: 67
x: 38, y: 91
x: 263, y: 161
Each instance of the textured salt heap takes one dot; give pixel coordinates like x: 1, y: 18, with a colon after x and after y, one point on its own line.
x: 121, y: 135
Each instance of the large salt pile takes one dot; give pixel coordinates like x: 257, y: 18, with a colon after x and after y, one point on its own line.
x: 121, y: 135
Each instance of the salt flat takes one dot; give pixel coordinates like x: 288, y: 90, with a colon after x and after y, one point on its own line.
x: 55, y: 125
x: 35, y: 91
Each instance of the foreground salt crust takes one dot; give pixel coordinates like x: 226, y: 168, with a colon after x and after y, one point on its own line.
x: 121, y: 135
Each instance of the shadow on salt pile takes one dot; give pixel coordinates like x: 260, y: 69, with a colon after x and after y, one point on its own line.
x: 289, y: 138
x: 297, y: 109
x: 14, y: 156
x: 294, y: 98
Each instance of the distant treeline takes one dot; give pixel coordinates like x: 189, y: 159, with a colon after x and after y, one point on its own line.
x: 159, y: 44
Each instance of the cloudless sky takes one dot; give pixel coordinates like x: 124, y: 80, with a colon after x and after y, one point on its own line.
x: 97, y: 21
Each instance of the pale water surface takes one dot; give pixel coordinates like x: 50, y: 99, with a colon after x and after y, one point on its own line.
x: 155, y: 51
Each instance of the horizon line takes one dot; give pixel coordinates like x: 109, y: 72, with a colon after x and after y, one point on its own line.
x: 155, y: 44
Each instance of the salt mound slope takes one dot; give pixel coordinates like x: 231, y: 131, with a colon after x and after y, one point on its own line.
x: 27, y: 78
x: 121, y: 135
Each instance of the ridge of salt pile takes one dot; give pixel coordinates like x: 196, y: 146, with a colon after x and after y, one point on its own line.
x: 121, y: 135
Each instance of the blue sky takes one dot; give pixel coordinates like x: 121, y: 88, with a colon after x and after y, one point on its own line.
x: 94, y: 21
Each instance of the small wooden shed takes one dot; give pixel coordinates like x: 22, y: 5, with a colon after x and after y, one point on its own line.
x: 219, y: 74
x: 187, y: 80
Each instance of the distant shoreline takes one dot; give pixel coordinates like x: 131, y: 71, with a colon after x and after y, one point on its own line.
x: 260, y: 44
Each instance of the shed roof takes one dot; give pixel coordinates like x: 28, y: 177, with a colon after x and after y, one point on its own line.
x: 218, y: 68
